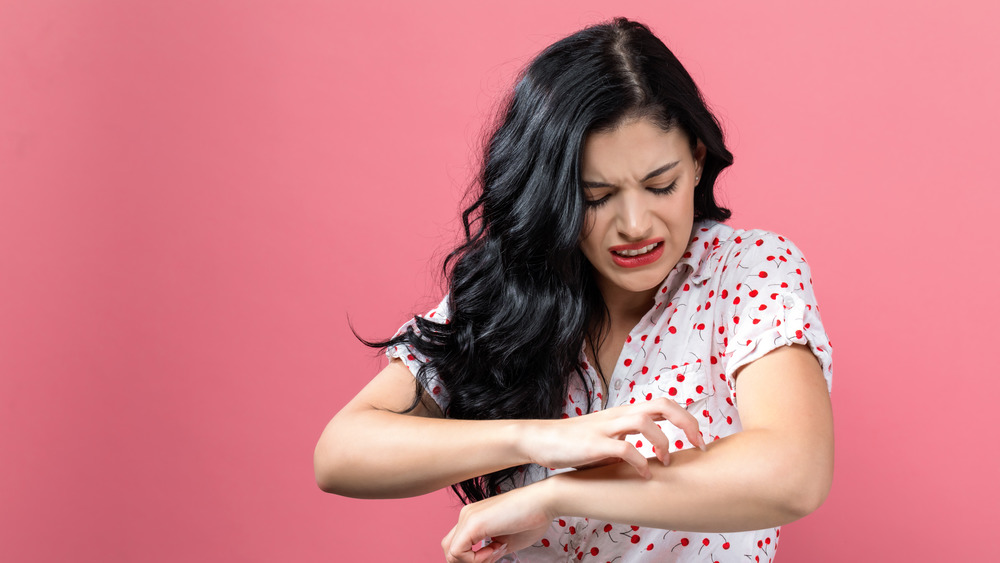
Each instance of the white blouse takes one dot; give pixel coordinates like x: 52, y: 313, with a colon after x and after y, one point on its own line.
x: 734, y: 296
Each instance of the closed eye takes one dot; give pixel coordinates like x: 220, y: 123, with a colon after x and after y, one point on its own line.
x: 666, y: 190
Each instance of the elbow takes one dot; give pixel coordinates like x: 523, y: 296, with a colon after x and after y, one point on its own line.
x: 806, y: 488
x: 328, y: 474
x: 808, y: 498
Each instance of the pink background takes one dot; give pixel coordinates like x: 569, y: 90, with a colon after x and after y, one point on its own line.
x: 196, y: 196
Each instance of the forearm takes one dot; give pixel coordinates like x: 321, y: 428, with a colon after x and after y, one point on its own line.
x: 741, y: 483
x: 381, y: 454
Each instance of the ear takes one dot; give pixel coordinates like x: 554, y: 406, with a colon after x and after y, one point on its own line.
x: 699, y: 156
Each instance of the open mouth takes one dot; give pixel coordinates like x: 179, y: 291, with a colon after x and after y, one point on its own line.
x: 639, y: 251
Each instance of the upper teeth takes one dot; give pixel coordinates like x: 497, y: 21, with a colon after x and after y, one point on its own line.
x: 642, y: 250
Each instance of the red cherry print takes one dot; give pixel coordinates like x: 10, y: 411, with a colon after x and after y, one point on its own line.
x: 638, y: 443
x: 649, y: 396
x: 736, y: 320
x: 705, y: 541
x: 594, y: 551
x: 579, y: 555
x: 699, y: 389
x: 725, y: 545
x: 762, y: 307
x: 628, y: 339
x: 704, y: 413
x: 672, y: 391
x: 631, y: 401
x: 564, y: 415
x: 767, y: 540
x: 738, y: 286
x: 687, y: 287
x: 760, y: 543
x: 545, y: 542
x: 656, y: 340
x: 753, y: 293
x: 782, y: 239
x: 634, y: 528
x: 572, y: 529
x: 635, y: 539
x: 685, y: 541
x: 708, y: 305
x: 784, y: 285
x: 644, y: 370
x: 770, y: 258
x: 686, y: 255
x: 607, y: 527
x: 774, y: 296
x: 436, y: 390
x: 729, y: 420
x: 759, y: 242
x: 628, y: 362
x: 664, y: 290
x: 725, y: 293
x: 430, y: 315
x: 649, y: 547
x: 701, y: 326
x: 798, y: 334
x: 680, y: 377
x: 579, y: 412
x: 713, y: 360
x: 562, y: 522
x: 679, y: 444
x: 721, y: 330
x: 672, y: 330
x: 738, y: 240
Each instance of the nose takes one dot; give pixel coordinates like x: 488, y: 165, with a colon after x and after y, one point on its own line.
x: 634, y: 221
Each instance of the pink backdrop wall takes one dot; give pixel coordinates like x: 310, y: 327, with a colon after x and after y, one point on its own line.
x: 195, y: 195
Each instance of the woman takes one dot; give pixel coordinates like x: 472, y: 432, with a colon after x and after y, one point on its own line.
x: 580, y: 380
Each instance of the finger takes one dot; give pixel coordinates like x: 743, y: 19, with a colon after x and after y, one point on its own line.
x: 681, y: 418
x: 655, y: 435
x: 627, y: 453
x: 446, y: 542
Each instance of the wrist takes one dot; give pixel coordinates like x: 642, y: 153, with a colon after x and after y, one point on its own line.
x: 549, y: 494
x: 521, y: 441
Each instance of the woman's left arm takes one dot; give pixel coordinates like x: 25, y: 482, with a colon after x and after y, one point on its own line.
x: 778, y: 469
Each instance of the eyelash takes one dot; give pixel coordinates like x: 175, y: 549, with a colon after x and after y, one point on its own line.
x: 593, y: 204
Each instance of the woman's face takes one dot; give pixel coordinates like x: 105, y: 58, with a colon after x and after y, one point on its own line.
x: 638, y: 182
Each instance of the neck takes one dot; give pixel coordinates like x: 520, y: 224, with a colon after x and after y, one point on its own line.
x: 626, y: 307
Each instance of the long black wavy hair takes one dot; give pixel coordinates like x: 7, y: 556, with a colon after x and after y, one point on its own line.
x: 522, y: 296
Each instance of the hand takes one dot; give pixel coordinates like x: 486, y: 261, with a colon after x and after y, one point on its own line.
x: 512, y: 521
x: 599, y: 438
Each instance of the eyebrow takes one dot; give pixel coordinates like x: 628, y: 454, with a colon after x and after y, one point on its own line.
x: 649, y: 176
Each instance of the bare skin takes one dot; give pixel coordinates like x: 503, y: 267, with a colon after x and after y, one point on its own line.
x: 731, y: 485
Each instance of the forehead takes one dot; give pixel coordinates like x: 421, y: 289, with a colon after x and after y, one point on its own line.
x: 631, y: 150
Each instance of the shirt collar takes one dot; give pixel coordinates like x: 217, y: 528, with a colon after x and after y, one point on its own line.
x: 704, y: 240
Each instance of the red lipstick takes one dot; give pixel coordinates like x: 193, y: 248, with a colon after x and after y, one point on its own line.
x: 650, y: 256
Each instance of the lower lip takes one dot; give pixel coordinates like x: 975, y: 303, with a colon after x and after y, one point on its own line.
x: 640, y: 260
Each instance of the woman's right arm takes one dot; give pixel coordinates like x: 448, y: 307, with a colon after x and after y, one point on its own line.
x: 369, y: 451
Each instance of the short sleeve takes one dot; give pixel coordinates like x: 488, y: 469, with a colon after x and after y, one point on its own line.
x: 414, y: 360
x: 771, y: 303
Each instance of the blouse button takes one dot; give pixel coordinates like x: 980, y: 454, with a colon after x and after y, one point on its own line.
x: 618, y: 384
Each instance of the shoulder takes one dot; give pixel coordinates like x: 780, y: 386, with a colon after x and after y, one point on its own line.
x: 738, y: 254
